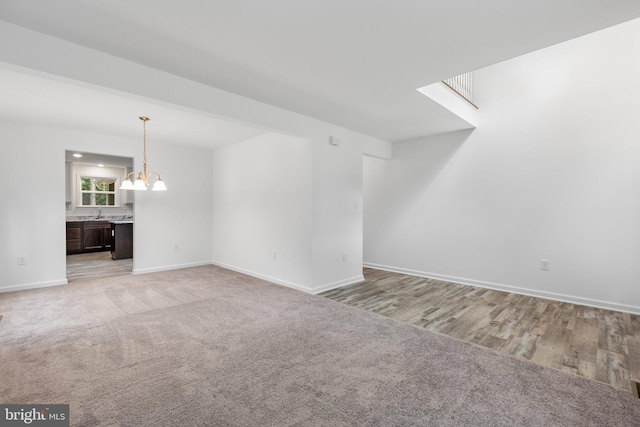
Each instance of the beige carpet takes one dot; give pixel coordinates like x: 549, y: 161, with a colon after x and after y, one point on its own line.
x: 209, y: 347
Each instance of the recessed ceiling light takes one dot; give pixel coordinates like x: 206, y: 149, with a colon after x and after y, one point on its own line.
x: 100, y: 165
x: 77, y: 155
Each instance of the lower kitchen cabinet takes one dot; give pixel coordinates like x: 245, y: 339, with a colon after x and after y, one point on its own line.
x: 88, y: 236
x: 74, y: 237
x: 97, y: 236
x: 122, y: 245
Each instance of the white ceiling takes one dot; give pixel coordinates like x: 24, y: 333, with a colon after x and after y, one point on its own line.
x: 34, y: 99
x: 353, y: 63
x: 95, y: 159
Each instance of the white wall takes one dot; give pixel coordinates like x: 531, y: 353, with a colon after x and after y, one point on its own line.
x: 551, y: 172
x: 337, y: 214
x: 179, y: 216
x: 261, y: 205
x: 32, y: 215
x: 32, y: 211
x: 299, y: 198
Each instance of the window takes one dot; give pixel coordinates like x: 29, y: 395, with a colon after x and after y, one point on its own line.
x: 98, y: 191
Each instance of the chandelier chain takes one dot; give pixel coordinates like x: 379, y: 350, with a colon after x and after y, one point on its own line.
x: 144, y: 138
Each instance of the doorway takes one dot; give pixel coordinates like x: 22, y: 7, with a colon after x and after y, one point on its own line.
x: 96, y: 209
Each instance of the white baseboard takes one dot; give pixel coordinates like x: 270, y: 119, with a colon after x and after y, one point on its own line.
x: 329, y: 286
x: 169, y: 267
x: 264, y: 277
x: 296, y: 286
x: 513, y: 289
x: 25, y: 286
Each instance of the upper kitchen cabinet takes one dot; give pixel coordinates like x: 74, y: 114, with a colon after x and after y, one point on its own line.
x: 68, y: 180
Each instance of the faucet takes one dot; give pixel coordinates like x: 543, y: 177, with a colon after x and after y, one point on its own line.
x: 99, y: 213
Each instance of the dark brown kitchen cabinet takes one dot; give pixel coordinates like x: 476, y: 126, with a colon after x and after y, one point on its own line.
x: 108, y: 240
x: 122, y: 244
x: 97, y: 236
x: 74, y: 238
x: 88, y: 236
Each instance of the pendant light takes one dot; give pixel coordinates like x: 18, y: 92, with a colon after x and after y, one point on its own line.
x: 142, y: 179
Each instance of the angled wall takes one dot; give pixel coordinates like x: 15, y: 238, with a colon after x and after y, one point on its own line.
x: 262, y: 209
x: 550, y: 173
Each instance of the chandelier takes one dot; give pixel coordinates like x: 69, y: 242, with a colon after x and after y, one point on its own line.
x: 142, y: 179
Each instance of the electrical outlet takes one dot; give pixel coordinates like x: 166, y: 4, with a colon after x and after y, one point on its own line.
x: 274, y: 256
x: 544, y: 264
x: 22, y: 260
x: 344, y: 257
x: 176, y: 247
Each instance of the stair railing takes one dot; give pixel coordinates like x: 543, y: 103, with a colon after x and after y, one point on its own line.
x: 462, y: 85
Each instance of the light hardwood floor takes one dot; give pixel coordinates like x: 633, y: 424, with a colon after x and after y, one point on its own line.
x: 96, y: 264
x: 598, y: 344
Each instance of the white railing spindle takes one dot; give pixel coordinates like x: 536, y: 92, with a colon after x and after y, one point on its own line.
x: 462, y: 85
